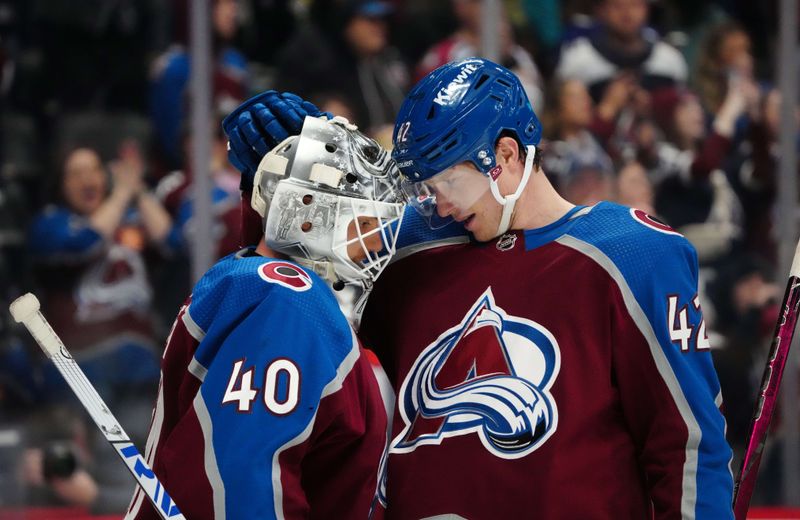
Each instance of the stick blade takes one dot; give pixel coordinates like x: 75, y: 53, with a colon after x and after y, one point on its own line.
x: 24, y: 307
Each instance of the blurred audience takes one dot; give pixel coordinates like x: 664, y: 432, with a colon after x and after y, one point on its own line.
x: 587, y: 186
x: 175, y: 191
x: 571, y: 148
x: 725, y: 58
x: 746, y: 303
x: 337, y: 103
x: 70, y: 463
x: 170, y: 74
x: 466, y: 42
x: 345, y: 48
x: 94, y: 53
x: 265, y: 26
x: 88, y: 248
x: 753, y: 170
x: 172, y: 275
x: 634, y: 189
x: 623, y: 63
x: 88, y: 251
x: 693, y: 194
x: 622, y: 42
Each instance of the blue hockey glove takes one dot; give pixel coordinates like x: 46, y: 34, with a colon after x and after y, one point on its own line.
x: 261, y: 123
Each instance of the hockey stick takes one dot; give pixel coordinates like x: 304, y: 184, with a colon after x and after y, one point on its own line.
x: 773, y: 372
x: 25, y: 310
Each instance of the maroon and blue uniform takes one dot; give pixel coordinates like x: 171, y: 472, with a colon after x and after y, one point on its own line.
x: 561, y: 372
x: 267, y: 407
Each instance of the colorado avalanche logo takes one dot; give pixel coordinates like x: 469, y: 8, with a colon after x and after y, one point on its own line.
x: 647, y: 220
x: 286, y: 274
x: 489, y: 375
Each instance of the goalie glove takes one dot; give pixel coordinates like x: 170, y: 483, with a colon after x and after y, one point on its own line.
x: 253, y: 129
x: 261, y: 123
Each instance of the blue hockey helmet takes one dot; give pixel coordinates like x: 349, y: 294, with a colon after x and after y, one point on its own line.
x: 457, y: 113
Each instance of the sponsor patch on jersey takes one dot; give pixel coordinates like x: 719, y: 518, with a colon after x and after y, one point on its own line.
x: 286, y: 274
x: 489, y: 376
x: 653, y: 223
x: 506, y: 242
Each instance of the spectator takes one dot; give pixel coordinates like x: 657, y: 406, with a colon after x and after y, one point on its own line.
x: 95, y: 52
x: 341, y: 105
x: 335, y: 103
x: 753, y: 172
x: 572, y: 148
x: 70, y: 463
x: 345, y: 48
x: 622, y: 42
x: 746, y: 302
x: 692, y: 193
x: 623, y: 106
x: 267, y: 26
x: 176, y: 192
x: 588, y: 185
x: 623, y: 63
x: 50, y: 471
x: 725, y: 57
x: 89, y: 250
x: 465, y: 42
x: 170, y: 75
x: 634, y: 189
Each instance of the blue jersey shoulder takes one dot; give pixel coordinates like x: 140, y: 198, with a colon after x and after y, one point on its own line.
x: 254, y: 292
x: 638, y: 245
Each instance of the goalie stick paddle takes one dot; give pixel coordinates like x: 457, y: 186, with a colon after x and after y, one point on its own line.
x: 768, y: 394
x: 25, y: 310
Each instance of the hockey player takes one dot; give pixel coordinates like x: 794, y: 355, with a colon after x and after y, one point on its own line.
x: 267, y: 407
x: 556, y: 366
x: 566, y: 371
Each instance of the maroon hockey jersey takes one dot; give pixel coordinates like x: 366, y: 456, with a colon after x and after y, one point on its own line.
x: 556, y: 373
x: 268, y: 407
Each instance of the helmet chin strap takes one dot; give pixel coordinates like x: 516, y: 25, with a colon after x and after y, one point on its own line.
x: 509, y: 201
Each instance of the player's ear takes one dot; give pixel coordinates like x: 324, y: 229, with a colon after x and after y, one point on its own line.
x: 507, y: 150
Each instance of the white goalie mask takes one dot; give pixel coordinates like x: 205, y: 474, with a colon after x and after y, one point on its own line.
x: 316, y: 190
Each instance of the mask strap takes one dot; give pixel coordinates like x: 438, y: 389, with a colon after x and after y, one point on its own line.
x: 323, y: 268
x: 509, y: 201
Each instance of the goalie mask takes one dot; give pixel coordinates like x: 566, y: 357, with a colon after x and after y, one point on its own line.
x: 330, y: 202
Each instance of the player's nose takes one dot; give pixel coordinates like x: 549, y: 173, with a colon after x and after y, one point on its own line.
x: 444, y: 207
x: 373, y: 242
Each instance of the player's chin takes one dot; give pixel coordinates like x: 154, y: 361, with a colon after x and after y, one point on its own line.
x: 484, y: 235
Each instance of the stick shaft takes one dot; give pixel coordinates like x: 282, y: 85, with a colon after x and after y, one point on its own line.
x: 52, y: 345
x: 767, y: 398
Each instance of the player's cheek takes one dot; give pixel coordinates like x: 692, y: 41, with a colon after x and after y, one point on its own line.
x: 374, y: 242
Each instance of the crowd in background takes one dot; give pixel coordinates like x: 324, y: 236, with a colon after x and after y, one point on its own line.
x: 669, y: 106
